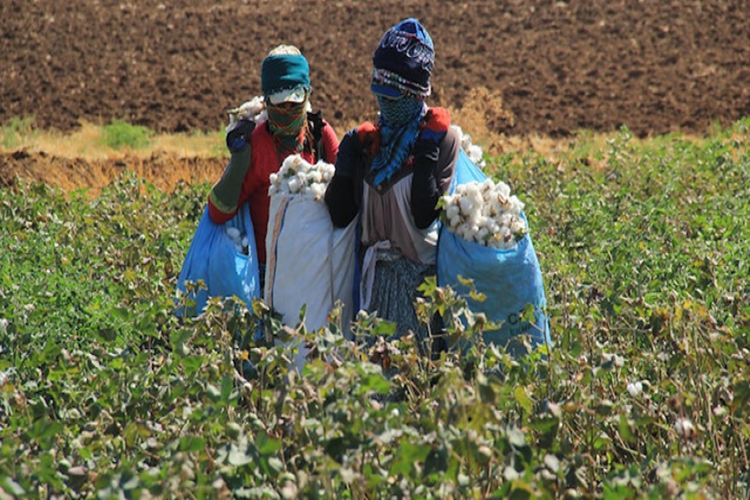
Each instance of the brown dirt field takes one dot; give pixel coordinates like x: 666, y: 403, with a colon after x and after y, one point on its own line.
x: 557, y: 67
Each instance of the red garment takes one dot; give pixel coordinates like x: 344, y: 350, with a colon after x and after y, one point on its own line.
x: 264, y: 160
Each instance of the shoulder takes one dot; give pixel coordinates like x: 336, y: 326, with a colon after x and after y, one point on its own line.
x: 327, y: 128
x: 438, y: 119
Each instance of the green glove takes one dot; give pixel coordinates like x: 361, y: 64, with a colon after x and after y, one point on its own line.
x: 225, y: 195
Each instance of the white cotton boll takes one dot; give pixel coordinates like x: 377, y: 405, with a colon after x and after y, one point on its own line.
x: 233, y: 233
x: 245, y: 242
x: 517, y: 226
x: 274, y: 178
x: 318, y: 190
x: 475, y: 155
x: 516, y: 205
x: 505, y: 234
x: 463, y: 230
x: 294, y: 185
x: 452, y: 211
x: 504, y: 219
x: 454, y: 222
x: 502, y: 189
x: 483, y: 234
x: 494, y: 207
x: 314, y: 176
x: 635, y: 388
x: 466, y: 207
x: 261, y: 117
x: 458, y: 130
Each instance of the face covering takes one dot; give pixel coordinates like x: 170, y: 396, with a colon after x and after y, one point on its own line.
x: 399, y: 127
x: 288, y: 123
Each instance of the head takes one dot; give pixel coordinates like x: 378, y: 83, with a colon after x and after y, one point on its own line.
x: 285, y: 81
x: 403, y: 62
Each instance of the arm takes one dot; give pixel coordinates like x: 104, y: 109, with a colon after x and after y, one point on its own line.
x: 341, y: 196
x: 435, y: 156
x: 330, y: 143
x: 223, y: 200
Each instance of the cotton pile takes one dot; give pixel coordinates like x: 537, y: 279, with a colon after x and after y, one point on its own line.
x: 485, y: 213
x: 297, y: 176
x: 254, y: 110
x: 472, y: 150
x: 241, y: 242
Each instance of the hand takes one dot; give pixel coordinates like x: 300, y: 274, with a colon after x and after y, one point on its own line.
x: 239, y: 136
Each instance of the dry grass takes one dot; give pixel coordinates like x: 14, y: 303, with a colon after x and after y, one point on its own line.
x: 481, y: 115
x: 88, y: 143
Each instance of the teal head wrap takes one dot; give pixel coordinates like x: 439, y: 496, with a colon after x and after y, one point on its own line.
x: 284, y: 72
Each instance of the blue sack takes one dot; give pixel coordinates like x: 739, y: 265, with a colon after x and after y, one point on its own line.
x: 214, y: 258
x: 511, y: 279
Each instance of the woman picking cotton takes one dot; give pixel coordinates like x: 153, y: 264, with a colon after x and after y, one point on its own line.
x: 391, y: 176
x: 258, y: 150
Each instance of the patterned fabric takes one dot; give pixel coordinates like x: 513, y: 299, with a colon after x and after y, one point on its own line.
x: 399, y: 125
x: 288, y: 124
x: 395, y: 291
x: 404, y: 60
x: 284, y: 71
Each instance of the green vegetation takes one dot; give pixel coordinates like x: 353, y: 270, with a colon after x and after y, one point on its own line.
x: 119, y: 134
x: 646, y: 393
x: 16, y: 130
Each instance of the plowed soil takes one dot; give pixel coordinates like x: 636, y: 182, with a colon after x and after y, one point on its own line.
x: 558, y: 67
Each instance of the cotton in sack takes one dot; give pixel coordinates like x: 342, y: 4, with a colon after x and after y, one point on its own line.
x: 309, y: 262
x: 225, y: 257
x: 510, y: 278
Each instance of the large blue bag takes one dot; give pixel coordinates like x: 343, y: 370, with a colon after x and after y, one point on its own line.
x: 511, y: 279
x: 214, y: 258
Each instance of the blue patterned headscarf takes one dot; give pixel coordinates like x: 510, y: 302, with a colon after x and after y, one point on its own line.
x: 399, y: 125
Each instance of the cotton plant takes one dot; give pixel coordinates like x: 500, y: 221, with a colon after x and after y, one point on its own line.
x: 299, y: 177
x: 472, y: 150
x: 485, y: 213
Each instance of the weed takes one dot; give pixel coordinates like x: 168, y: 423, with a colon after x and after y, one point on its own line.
x: 119, y: 134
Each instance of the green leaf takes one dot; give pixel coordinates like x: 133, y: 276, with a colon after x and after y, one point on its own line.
x: 523, y: 399
x: 192, y: 444
x: 12, y: 486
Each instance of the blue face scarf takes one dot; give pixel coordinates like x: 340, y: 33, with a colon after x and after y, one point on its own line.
x: 399, y: 127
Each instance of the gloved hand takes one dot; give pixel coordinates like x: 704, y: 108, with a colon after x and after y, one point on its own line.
x: 239, y: 137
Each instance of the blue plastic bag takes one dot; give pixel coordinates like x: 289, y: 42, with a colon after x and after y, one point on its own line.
x: 213, y: 258
x: 511, y: 279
